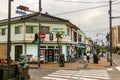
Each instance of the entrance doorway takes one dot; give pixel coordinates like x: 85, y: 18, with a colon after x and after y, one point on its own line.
x: 50, y: 55
x: 18, y: 51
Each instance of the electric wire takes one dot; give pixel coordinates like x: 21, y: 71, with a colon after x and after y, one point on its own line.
x: 84, y: 1
x: 85, y: 9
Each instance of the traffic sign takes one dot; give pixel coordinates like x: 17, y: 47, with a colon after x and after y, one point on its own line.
x: 42, y: 35
x: 20, y: 12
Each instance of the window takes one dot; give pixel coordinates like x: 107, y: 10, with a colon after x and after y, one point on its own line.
x: 3, y: 31
x: 79, y: 38
x: 45, y: 29
x: 50, y: 46
x: 75, y: 37
x: 31, y: 29
x: 68, y: 31
x: 18, y: 29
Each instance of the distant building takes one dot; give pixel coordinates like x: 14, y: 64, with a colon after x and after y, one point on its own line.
x: 116, y: 36
x: 23, y: 29
x: 89, y: 44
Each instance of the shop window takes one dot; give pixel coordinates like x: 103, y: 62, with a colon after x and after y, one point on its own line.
x: 42, y: 46
x: 50, y: 46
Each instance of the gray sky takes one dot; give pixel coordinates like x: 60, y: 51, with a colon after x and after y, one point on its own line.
x: 91, y: 21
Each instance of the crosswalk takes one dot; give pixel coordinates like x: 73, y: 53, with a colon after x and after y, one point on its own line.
x: 78, y: 75
x: 118, y: 68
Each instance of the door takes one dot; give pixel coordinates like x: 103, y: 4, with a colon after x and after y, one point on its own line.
x: 18, y: 51
x: 50, y: 55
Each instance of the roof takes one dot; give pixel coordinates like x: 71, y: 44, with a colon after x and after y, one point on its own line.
x: 35, y: 17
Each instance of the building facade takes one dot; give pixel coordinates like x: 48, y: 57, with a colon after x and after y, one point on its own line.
x: 24, y: 28
x: 116, y: 36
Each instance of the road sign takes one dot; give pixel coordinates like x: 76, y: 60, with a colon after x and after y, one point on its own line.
x: 20, y: 12
x: 42, y: 35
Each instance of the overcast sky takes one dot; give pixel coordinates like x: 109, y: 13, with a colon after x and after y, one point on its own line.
x: 91, y: 21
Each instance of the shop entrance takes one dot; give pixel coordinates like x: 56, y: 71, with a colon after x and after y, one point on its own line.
x: 18, y: 51
x: 50, y: 55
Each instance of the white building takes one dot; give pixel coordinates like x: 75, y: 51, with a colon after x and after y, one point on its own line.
x: 23, y: 29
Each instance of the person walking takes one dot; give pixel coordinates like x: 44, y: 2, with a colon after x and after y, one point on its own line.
x: 84, y: 58
x: 88, y: 56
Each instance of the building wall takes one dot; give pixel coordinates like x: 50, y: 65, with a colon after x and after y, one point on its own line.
x: 25, y: 40
x: 116, y: 36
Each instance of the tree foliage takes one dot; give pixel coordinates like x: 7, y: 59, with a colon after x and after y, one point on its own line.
x: 59, y: 37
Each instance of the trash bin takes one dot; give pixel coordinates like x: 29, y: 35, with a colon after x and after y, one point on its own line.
x: 95, y: 58
x: 61, y: 60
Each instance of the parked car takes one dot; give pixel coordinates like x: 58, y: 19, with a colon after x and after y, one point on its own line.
x: 42, y: 59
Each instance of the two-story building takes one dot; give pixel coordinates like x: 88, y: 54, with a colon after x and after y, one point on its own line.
x: 23, y: 29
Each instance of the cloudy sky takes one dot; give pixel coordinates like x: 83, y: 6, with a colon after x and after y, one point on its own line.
x: 79, y: 12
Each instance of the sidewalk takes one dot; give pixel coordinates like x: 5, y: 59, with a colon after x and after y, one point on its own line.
x: 103, y: 63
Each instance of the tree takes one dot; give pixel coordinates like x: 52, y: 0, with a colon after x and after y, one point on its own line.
x: 61, y: 56
x: 59, y: 37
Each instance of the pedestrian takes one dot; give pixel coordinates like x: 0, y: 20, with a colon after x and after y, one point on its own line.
x: 84, y: 58
x: 88, y: 56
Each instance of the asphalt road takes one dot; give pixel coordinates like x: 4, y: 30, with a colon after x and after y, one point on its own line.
x: 113, y: 72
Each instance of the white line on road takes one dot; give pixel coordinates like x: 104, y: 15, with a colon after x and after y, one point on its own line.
x: 118, y: 68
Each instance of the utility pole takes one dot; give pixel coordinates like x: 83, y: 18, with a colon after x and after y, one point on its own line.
x: 9, y: 32
x: 39, y: 39
x: 110, y: 18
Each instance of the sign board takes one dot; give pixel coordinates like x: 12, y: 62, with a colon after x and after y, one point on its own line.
x: 20, y: 12
x: 42, y: 35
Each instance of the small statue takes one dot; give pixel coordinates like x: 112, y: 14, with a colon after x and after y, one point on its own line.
x: 22, y: 61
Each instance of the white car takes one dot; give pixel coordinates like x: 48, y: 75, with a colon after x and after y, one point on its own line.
x: 42, y: 59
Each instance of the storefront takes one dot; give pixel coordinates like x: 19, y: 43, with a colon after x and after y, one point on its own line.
x: 50, y: 52
x: 81, y: 48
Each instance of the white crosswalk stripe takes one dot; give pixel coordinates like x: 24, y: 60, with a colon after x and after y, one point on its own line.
x: 118, y: 68
x: 78, y: 75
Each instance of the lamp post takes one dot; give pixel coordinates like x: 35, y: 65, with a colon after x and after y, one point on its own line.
x: 110, y: 18
x: 39, y: 39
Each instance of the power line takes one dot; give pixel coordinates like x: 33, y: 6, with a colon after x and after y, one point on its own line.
x: 83, y: 1
x: 84, y: 9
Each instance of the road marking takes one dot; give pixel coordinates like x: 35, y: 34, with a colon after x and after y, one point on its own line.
x: 78, y: 75
x: 109, y: 69
x: 118, y: 68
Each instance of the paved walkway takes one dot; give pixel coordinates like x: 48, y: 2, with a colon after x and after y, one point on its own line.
x: 103, y: 63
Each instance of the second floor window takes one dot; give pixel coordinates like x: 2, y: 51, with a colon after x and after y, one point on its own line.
x: 79, y: 38
x: 18, y: 29
x: 31, y: 29
x: 45, y: 29
x: 75, y: 37
x: 3, y: 31
x: 68, y: 31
